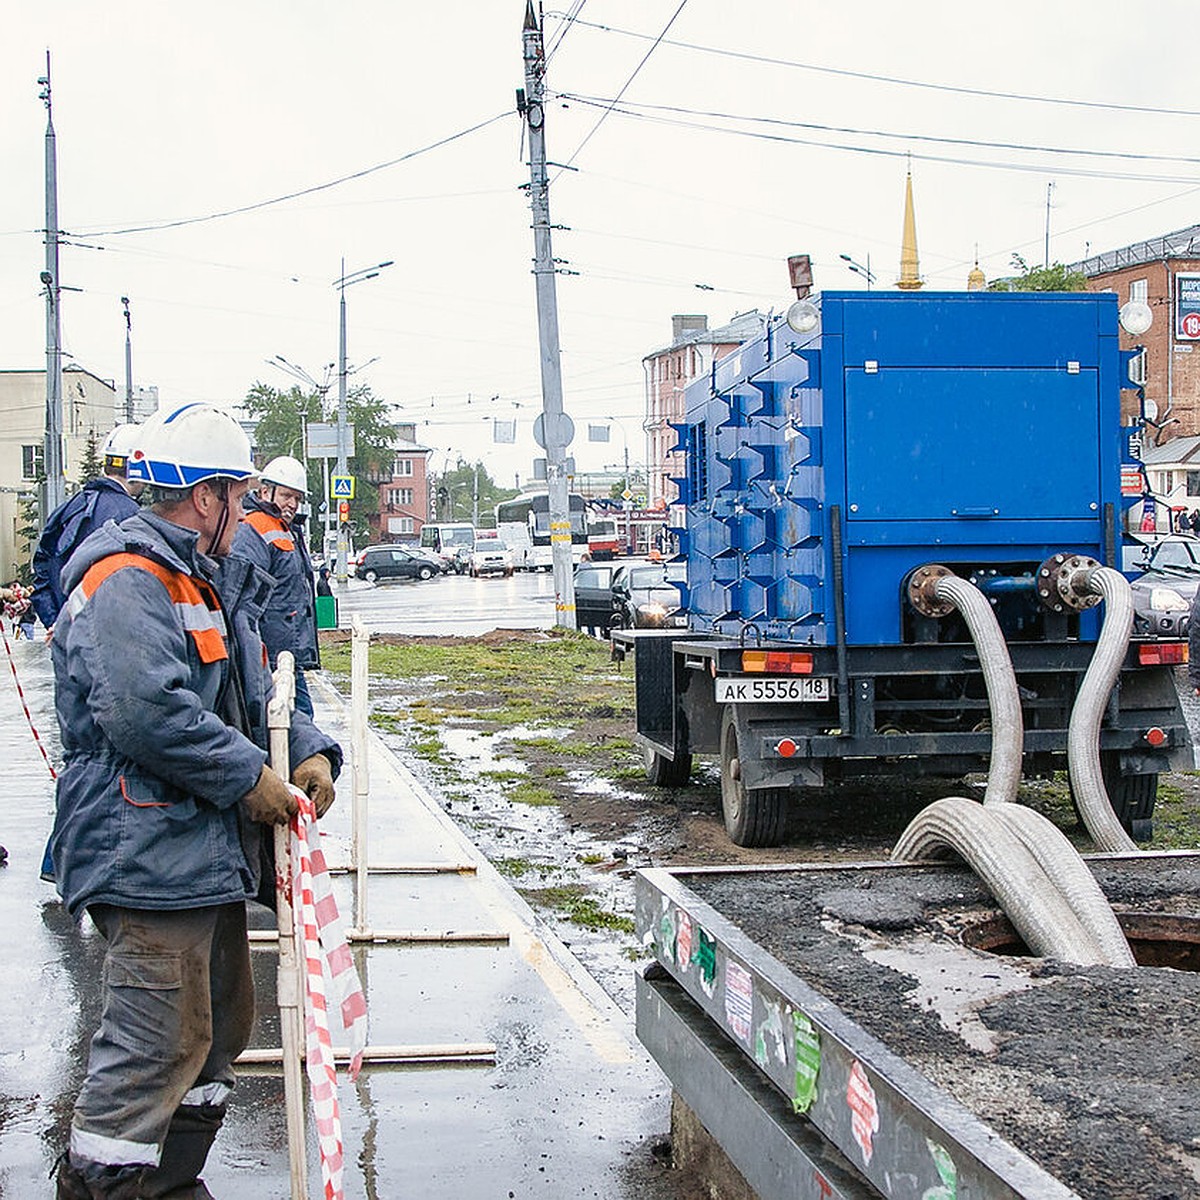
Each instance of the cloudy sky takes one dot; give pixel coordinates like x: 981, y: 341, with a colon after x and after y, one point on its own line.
x: 746, y: 132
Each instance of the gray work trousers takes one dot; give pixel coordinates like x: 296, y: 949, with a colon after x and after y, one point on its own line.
x: 178, y: 1009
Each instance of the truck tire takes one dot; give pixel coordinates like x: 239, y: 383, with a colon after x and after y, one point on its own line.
x: 1132, y: 797
x: 753, y: 816
x: 666, y: 772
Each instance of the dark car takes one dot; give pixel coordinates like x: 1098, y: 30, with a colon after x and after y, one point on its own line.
x: 594, y: 598
x: 393, y: 562
x: 1163, y: 596
x: 649, y: 596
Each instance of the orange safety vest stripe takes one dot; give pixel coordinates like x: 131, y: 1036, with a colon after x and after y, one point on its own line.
x: 273, y: 529
x: 197, y: 602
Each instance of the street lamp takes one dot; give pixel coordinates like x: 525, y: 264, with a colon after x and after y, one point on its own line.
x: 128, y: 360
x: 343, y: 281
x: 859, y: 269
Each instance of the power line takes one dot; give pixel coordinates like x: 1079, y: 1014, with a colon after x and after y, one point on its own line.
x: 320, y: 187
x: 624, y: 87
x: 630, y: 106
x: 898, y: 81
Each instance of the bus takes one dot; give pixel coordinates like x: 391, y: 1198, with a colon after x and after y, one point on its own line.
x: 524, y: 524
x: 604, y: 542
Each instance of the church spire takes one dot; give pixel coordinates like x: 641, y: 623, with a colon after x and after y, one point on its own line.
x: 910, y: 277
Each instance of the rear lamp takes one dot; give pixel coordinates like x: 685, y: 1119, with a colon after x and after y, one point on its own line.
x: 1155, y: 736
x: 1162, y: 654
x: 777, y: 662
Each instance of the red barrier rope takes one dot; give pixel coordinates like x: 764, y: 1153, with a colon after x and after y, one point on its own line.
x: 12, y: 609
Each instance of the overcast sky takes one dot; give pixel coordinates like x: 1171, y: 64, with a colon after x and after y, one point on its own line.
x: 168, y: 112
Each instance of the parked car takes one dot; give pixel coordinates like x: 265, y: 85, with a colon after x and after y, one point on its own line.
x: 646, y: 596
x: 440, y: 565
x: 490, y: 557
x: 1163, y: 596
x: 393, y: 562
x: 593, y: 597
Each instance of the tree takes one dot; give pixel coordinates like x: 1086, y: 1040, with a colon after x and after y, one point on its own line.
x: 1054, y: 278
x: 454, y: 494
x: 282, y: 416
x: 91, y: 466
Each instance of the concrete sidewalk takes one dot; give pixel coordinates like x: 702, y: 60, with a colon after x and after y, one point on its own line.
x: 568, y: 1109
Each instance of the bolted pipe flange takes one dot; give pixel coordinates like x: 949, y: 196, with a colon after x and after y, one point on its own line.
x: 922, y: 590
x: 1064, y: 582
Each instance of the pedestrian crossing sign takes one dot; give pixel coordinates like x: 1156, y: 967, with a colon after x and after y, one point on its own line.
x: 343, y: 487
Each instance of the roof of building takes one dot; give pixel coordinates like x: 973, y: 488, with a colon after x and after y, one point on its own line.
x: 1177, y: 450
x: 741, y: 329
x: 1183, y: 243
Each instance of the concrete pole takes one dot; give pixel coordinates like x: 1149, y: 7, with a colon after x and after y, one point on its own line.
x: 128, y: 361
x: 556, y: 426
x: 54, y: 488
x: 342, y: 457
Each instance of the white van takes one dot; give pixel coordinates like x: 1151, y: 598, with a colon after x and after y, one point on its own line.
x: 445, y: 538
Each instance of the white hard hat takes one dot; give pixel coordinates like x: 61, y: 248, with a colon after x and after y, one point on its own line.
x: 186, y: 445
x: 118, y: 446
x: 287, y: 472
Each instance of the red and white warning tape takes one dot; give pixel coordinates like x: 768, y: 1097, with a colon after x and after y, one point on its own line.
x: 325, y: 948
x: 12, y: 610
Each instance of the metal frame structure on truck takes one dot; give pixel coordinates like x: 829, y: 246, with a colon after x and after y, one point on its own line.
x: 827, y: 471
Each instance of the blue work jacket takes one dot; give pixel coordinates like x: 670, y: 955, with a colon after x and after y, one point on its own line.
x: 161, y: 692
x: 268, y: 541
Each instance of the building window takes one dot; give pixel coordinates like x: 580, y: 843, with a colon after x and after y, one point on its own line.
x: 404, y: 466
x: 1138, y: 290
x: 405, y: 525
x: 1193, y: 483
x: 400, y: 495
x: 32, y: 461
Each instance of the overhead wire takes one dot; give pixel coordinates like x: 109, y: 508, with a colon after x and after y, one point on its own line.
x: 992, y: 94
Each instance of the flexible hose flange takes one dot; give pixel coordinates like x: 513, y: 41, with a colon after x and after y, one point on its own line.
x: 922, y: 591
x: 1064, y: 582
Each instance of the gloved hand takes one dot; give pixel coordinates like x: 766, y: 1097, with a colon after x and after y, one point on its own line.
x: 269, y: 801
x: 314, y: 777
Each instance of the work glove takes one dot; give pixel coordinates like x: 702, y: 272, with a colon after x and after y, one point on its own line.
x: 269, y: 801
x: 314, y: 777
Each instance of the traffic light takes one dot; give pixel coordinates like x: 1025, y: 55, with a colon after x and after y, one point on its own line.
x: 343, y: 511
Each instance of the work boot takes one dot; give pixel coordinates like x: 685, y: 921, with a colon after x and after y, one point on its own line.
x: 192, y: 1132
x: 98, y: 1183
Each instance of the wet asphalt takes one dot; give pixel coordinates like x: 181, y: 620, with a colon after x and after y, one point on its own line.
x: 569, y: 1108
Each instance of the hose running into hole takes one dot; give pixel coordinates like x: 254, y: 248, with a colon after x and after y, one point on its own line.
x: 1083, y: 732
x: 1004, y: 701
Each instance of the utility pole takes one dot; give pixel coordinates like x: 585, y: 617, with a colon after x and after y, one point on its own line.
x: 128, y: 361
x: 556, y: 427
x: 1049, y: 197
x: 54, y: 487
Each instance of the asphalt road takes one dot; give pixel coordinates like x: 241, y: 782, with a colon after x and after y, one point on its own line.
x: 450, y: 604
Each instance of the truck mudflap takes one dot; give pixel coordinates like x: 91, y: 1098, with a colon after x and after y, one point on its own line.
x: 889, y: 1122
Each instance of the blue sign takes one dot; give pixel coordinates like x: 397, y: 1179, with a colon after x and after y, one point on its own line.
x: 343, y: 487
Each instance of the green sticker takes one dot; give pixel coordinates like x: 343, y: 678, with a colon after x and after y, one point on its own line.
x: 666, y: 936
x: 808, y: 1062
x: 946, y: 1170
x: 705, y: 957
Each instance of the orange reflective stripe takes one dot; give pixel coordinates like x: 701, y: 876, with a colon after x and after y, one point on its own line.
x: 272, y: 529
x: 195, y: 601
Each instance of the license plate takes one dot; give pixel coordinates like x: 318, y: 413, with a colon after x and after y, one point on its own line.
x: 770, y: 689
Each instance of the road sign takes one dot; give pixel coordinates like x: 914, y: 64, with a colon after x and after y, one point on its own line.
x: 343, y: 486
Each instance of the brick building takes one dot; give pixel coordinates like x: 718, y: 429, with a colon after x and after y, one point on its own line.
x: 403, y: 491
x: 1164, y: 273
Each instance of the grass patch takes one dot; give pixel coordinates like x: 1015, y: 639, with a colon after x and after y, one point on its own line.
x: 570, y: 900
x: 532, y: 793
x: 1176, y: 822
x: 504, y: 776
x: 550, y: 771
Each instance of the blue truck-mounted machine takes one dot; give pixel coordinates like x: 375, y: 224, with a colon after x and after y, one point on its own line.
x: 861, y: 447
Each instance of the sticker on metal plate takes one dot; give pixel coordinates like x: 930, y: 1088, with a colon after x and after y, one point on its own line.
x: 808, y: 1062
x: 705, y: 958
x: 739, y: 999
x: 864, y: 1111
x: 683, y: 940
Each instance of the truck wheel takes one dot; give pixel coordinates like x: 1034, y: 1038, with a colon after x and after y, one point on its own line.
x: 753, y: 816
x: 666, y: 772
x: 1132, y: 797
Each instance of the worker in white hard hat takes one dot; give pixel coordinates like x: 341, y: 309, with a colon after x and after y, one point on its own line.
x: 272, y: 537
x: 162, y: 700
x: 110, y: 497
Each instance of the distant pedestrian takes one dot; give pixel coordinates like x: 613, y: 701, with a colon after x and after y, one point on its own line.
x: 323, y: 588
x: 1194, y: 520
x: 111, y: 497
